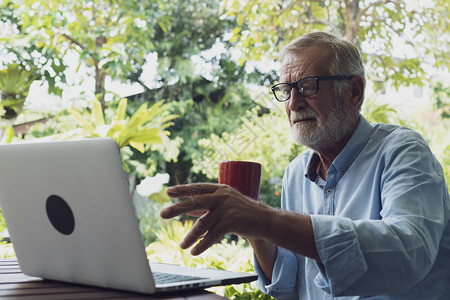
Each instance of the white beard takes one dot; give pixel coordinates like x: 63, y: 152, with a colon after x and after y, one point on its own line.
x: 320, y: 136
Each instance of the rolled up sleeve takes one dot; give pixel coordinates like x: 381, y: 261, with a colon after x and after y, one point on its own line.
x: 342, y: 259
x: 284, y: 276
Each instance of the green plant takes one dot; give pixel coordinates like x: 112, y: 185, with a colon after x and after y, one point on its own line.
x: 233, y: 256
x: 2, y: 223
x: 441, y: 95
x: 147, y: 209
x: 15, y: 83
x: 143, y: 127
x: 380, y: 113
x: 7, y: 135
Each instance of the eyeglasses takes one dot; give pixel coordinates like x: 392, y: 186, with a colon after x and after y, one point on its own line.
x: 306, y: 86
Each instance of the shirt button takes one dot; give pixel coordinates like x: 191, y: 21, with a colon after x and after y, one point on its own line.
x: 329, y: 191
x: 342, y: 172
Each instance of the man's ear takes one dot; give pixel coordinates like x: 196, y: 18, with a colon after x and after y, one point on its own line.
x: 357, y: 90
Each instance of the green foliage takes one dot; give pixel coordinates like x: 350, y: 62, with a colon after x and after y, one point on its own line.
x: 437, y: 135
x: 111, y: 37
x: 147, y: 212
x: 234, y: 256
x: 54, y: 124
x: 29, y: 49
x: 195, y: 27
x: 200, y: 81
x: 258, y: 138
x: 2, y: 223
x: 145, y: 126
x: 8, y: 135
x: 262, y: 27
x: 138, y: 132
x: 380, y: 113
x: 197, y: 120
x: 441, y: 95
x: 15, y: 82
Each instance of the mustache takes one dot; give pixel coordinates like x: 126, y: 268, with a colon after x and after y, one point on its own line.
x: 301, y: 115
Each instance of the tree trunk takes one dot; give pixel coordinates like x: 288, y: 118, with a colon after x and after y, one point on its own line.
x: 352, y: 25
x: 100, y: 86
x: 100, y: 75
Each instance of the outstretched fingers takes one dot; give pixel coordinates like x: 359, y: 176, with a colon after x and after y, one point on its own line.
x: 204, y: 232
x: 193, y: 201
x: 220, y: 208
x: 200, y: 228
x: 185, y: 206
x: 206, y: 242
x: 189, y: 190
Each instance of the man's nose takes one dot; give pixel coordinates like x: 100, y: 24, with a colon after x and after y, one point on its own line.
x: 296, y: 101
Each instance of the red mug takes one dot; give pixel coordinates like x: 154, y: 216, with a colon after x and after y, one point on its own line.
x: 244, y: 176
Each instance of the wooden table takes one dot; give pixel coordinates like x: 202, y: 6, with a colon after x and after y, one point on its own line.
x: 15, y: 285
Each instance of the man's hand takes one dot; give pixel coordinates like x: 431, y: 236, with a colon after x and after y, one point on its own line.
x: 221, y: 210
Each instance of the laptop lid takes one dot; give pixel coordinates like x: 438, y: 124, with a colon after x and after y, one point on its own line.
x: 70, y: 217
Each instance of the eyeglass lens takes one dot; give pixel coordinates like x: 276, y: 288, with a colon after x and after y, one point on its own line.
x: 306, y: 86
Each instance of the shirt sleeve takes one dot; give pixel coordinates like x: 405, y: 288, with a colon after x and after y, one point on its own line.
x: 285, y: 270
x: 284, y: 276
x: 390, y: 255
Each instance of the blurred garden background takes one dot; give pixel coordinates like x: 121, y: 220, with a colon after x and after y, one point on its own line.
x: 183, y: 85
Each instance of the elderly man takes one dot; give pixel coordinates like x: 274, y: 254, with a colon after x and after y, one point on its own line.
x: 365, y: 211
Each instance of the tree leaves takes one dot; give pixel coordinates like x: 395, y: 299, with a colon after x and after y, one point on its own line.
x: 263, y: 27
x: 145, y: 127
x: 111, y: 36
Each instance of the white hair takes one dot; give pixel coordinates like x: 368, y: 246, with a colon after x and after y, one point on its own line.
x: 347, y: 59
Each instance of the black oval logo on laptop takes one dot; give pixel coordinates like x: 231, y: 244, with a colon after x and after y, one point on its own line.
x: 60, y: 214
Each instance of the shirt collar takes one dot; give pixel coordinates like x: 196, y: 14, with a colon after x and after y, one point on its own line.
x: 347, y: 155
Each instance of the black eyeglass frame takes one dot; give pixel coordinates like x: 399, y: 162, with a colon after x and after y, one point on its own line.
x: 297, y: 87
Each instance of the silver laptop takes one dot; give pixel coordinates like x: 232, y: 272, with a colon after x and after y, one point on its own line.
x: 70, y: 217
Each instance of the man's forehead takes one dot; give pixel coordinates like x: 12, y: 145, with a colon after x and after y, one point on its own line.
x: 309, y: 62
x: 294, y: 64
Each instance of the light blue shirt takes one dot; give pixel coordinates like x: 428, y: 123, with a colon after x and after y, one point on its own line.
x: 380, y: 221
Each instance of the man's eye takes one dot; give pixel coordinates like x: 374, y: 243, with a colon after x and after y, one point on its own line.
x: 286, y: 90
x: 308, y: 88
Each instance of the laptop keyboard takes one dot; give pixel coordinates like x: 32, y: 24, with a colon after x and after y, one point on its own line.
x: 169, y: 278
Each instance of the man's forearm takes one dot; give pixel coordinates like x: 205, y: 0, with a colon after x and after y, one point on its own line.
x: 289, y: 230
x: 265, y: 253
x: 280, y: 232
x: 298, y: 239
